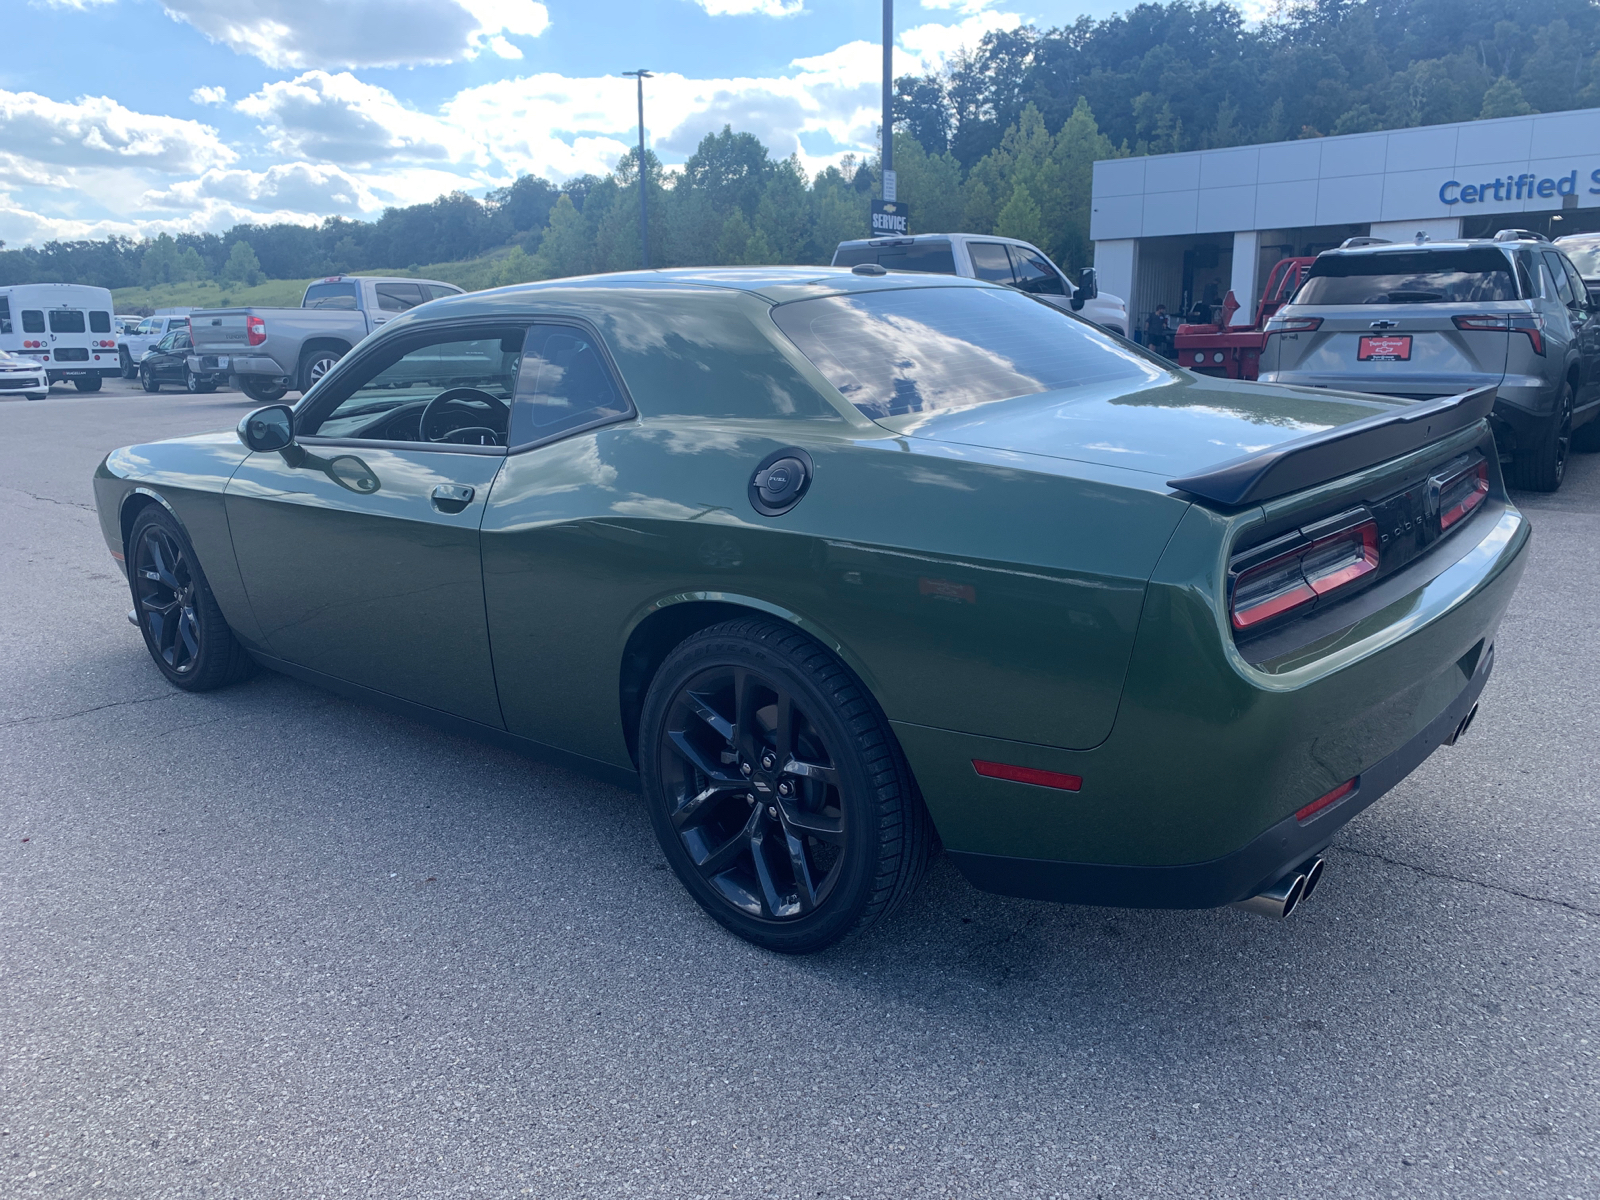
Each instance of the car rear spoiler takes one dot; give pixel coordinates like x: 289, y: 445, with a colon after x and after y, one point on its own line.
x: 1318, y: 457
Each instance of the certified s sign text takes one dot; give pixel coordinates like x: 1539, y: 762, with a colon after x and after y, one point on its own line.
x: 1514, y: 187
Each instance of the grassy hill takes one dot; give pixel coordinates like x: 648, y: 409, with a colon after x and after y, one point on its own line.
x: 472, y: 274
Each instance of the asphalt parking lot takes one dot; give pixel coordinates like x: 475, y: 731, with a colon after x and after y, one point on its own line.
x: 267, y: 942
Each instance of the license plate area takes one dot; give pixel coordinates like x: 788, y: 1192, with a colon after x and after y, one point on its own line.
x: 1384, y: 348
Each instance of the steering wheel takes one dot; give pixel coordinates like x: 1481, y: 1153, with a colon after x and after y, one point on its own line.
x: 464, y: 401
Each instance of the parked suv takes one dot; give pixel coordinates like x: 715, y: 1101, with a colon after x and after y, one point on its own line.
x: 1583, y: 249
x: 1001, y: 260
x: 1436, y: 318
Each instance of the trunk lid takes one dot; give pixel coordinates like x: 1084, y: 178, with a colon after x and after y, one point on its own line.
x: 1171, y: 429
x: 220, y: 330
x: 1415, y: 351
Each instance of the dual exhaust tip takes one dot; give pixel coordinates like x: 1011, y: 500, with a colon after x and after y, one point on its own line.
x: 1294, y: 889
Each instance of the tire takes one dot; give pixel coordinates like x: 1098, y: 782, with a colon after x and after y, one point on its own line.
x: 262, y: 393
x: 183, y: 628
x: 314, y: 364
x: 130, y: 369
x: 853, y: 815
x: 194, y: 386
x: 92, y: 384
x: 148, y: 381
x: 1542, y: 466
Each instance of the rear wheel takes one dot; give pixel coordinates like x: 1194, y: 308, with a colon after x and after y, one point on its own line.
x: 314, y: 364
x: 262, y: 392
x: 776, y: 788
x: 183, y: 628
x: 148, y: 381
x: 1543, y: 464
x: 125, y: 360
x: 91, y: 384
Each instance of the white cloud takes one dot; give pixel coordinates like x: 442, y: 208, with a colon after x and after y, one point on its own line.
x: 340, y: 119
x: 97, y: 131
x: 292, y: 34
x: 80, y: 5
x: 301, y: 187
x: 209, y: 95
x: 744, y: 8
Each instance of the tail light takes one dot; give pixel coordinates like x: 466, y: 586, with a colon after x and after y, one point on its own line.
x: 1300, y: 568
x: 1457, y: 490
x: 255, y: 330
x: 1533, y: 326
x: 1293, y: 324
x: 1486, y: 323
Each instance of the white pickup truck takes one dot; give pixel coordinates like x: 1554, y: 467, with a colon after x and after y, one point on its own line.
x: 269, y: 351
x: 1002, y: 260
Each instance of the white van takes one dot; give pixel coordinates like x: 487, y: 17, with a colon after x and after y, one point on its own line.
x: 66, y: 327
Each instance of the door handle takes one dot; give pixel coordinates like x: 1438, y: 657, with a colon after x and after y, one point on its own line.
x: 452, y: 497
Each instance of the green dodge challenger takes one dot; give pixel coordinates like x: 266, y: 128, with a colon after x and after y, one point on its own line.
x: 837, y: 566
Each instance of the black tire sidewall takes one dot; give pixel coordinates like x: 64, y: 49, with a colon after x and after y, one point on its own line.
x: 217, y: 662
x: 843, y: 909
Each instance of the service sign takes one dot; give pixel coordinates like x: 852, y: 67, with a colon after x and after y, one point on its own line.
x: 890, y: 218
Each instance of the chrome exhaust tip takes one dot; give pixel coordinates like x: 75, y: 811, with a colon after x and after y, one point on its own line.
x: 1313, y: 870
x: 1279, y: 900
x: 1466, y: 723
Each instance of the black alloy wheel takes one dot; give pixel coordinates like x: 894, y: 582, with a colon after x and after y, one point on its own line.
x: 1543, y: 466
x: 776, y: 788
x: 183, y: 628
x: 148, y: 381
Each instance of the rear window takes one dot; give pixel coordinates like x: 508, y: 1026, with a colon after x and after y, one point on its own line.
x: 99, y: 322
x: 937, y: 349
x: 330, y: 295
x: 932, y: 257
x: 1472, y: 276
x: 66, y: 320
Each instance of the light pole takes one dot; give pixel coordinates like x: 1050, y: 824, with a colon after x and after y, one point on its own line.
x: 644, y: 211
x: 889, y: 190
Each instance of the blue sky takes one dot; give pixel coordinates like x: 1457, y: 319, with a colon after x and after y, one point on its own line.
x: 137, y: 116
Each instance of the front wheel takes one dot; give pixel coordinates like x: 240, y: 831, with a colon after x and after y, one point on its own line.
x: 777, y: 790
x: 262, y: 392
x: 125, y: 360
x: 183, y: 628
x: 148, y: 381
x: 1543, y: 464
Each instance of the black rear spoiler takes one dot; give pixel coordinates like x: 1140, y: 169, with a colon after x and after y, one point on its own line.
x: 1318, y: 457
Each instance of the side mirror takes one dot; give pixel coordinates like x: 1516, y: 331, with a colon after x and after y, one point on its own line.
x: 1088, y: 284
x: 269, y: 428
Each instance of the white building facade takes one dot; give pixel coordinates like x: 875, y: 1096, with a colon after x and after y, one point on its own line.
x: 1177, y: 229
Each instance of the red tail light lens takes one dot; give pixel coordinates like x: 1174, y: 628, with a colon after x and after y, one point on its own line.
x: 255, y: 330
x: 1458, y: 492
x: 1298, y: 569
x: 1293, y: 324
x: 1533, y: 326
x: 1485, y: 323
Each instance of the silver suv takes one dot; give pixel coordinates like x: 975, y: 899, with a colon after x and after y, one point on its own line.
x: 1437, y: 318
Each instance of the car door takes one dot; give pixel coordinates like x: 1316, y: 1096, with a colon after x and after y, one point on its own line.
x: 176, y: 358
x: 1037, y: 275
x: 359, y: 544
x: 1586, y: 323
x: 1565, y: 317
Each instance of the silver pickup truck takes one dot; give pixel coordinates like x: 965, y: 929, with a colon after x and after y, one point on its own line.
x: 269, y: 351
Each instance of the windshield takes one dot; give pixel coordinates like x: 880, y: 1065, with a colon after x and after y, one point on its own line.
x: 931, y: 257
x: 936, y: 349
x: 1466, y: 276
x: 1585, y: 256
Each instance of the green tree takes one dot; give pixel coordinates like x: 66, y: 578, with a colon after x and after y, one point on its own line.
x: 242, y: 266
x: 1504, y: 99
x: 1021, y: 218
x: 161, y: 262
x: 565, y: 248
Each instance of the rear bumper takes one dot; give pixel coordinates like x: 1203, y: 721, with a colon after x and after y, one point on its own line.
x: 92, y: 371
x: 1232, y: 876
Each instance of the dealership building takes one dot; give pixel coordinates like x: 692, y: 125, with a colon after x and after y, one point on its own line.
x: 1176, y: 229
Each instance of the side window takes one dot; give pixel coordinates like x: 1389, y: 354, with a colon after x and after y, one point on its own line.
x: 1035, y: 274
x: 565, y: 384
x: 32, y: 320
x: 1580, y: 290
x: 449, y: 387
x: 432, y: 291
x: 1557, y: 278
x: 180, y: 340
x: 397, y: 297
x: 99, y: 322
x: 5, y: 314
x: 1527, y: 275
x: 990, y: 261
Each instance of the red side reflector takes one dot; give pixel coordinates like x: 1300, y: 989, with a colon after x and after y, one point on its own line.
x: 1326, y: 802
x: 1049, y: 779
